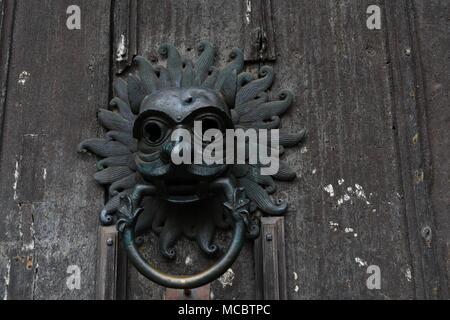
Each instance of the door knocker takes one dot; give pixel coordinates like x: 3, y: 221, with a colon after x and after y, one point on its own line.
x: 150, y: 189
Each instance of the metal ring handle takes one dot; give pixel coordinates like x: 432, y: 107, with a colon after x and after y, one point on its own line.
x: 235, y: 204
x: 185, y: 282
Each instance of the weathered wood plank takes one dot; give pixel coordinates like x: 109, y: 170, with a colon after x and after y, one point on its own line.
x: 433, y: 47
x: 270, y: 260
x: 413, y: 148
x: 6, y: 28
x: 347, y: 206
x: 58, y: 78
x: 125, y: 33
x: 259, y: 43
x: 107, y: 263
x: 202, y: 293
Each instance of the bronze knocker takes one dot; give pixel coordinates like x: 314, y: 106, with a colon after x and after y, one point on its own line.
x: 137, y: 166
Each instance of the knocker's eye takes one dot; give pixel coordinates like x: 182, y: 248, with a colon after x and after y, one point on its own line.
x: 211, y: 122
x: 155, y: 131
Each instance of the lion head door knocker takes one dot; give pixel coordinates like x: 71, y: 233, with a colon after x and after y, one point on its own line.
x: 150, y: 190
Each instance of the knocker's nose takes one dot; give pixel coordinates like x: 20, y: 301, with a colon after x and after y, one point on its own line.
x: 166, y: 153
x: 176, y: 149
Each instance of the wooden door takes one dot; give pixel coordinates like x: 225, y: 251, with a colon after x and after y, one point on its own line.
x: 373, y: 173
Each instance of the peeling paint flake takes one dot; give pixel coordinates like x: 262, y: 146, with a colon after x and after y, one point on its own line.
x: 227, y: 278
x: 334, y: 225
x: 408, y: 275
x: 16, y: 180
x: 360, y: 262
x: 23, y: 77
x: 330, y: 190
x: 121, y: 49
x: 7, y: 279
x: 248, y: 12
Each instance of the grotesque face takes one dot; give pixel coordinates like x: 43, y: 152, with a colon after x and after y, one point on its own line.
x: 157, y: 99
x: 162, y: 117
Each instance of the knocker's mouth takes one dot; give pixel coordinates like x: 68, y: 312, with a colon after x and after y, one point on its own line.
x: 179, y: 183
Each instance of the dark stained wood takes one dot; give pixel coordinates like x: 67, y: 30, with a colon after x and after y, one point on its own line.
x: 339, y: 71
x: 413, y: 147
x: 125, y: 33
x: 202, y: 293
x: 6, y: 27
x: 431, y: 19
x: 57, y: 80
x: 106, y: 272
x: 270, y: 260
x: 259, y: 43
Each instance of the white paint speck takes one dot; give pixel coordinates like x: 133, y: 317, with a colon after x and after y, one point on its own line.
x: 357, y: 193
x: 304, y: 150
x: 23, y: 77
x: 408, y: 274
x: 7, y: 279
x: 16, y: 180
x: 334, y: 225
x: 227, y: 278
x: 248, y: 12
x: 295, y: 276
x: 296, y: 288
x: 314, y: 171
x: 188, y: 261
x: 121, y: 49
x: 348, y: 230
x: 360, y: 193
x: 341, y: 181
x: 360, y: 262
x: 44, y: 173
x: 330, y: 190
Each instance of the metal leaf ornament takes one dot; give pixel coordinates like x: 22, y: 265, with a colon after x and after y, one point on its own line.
x: 244, y: 93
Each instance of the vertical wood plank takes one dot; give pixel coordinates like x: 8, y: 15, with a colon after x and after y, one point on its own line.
x: 106, y: 278
x: 347, y: 205
x: 431, y: 19
x: 57, y: 80
x: 6, y: 29
x: 125, y: 33
x: 270, y: 261
x: 259, y: 37
x: 409, y: 107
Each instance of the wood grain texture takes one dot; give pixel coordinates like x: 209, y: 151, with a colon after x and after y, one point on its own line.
x: 125, y: 33
x: 409, y: 108
x: 57, y: 80
x: 270, y: 260
x: 433, y: 43
x: 259, y: 35
x: 107, y: 263
x: 339, y: 71
x: 6, y: 30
